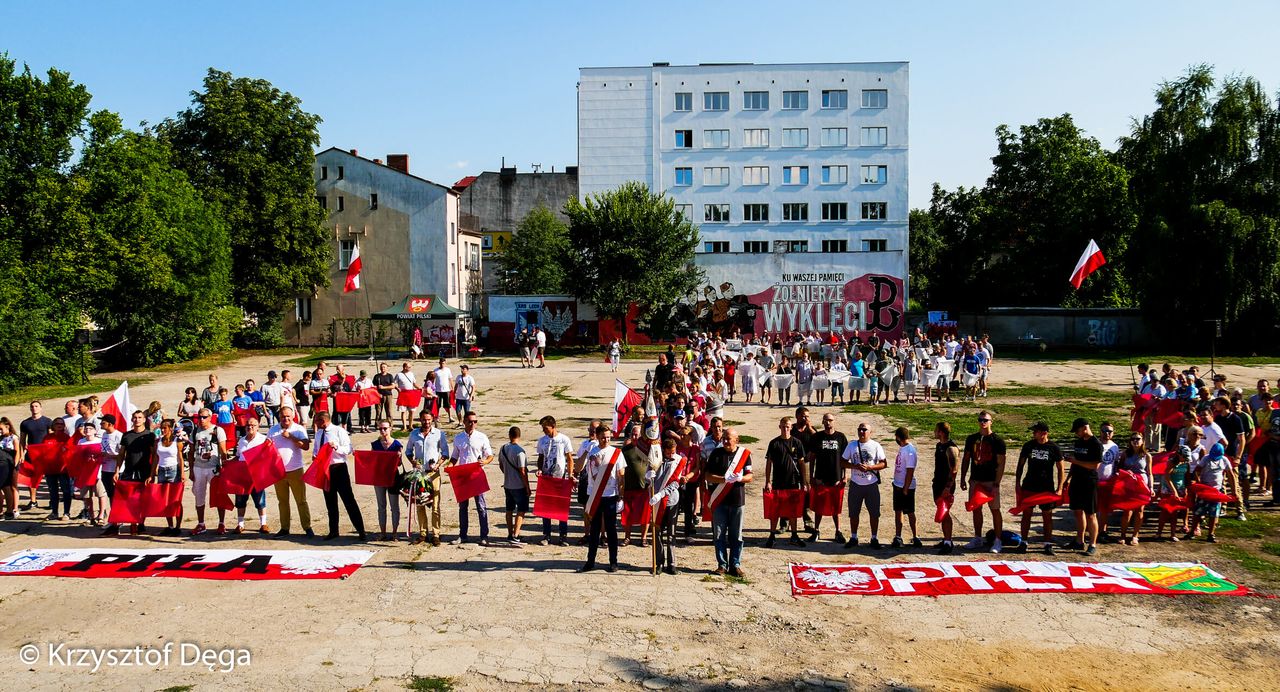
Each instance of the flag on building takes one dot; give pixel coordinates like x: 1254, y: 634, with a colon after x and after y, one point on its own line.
x: 1089, y: 263
x: 353, y: 271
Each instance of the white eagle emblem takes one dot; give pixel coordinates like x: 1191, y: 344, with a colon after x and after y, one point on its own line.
x: 854, y: 579
x: 310, y: 564
x: 557, y: 323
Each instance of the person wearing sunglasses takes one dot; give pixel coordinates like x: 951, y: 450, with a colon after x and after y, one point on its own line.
x: 983, y: 466
x: 387, y: 495
x: 208, y: 450
x: 864, y: 458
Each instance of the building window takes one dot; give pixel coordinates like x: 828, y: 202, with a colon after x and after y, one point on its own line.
x: 715, y: 175
x: 715, y: 139
x: 685, y: 210
x: 875, y: 175
x: 835, y: 98
x: 453, y: 233
x: 373, y: 200
x: 836, y: 245
x: 835, y: 211
x: 684, y: 100
x: 324, y: 172
x: 790, y: 246
x: 715, y: 101
x: 684, y: 139
x: 341, y: 172
x: 302, y: 310
x: 755, y: 175
x: 755, y: 138
x: 877, y: 245
x: 715, y: 213
x: 755, y: 247
x: 795, y: 175
x: 755, y: 212
x: 875, y: 136
x: 684, y: 176
x: 755, y: 100
x: 716, y: 246
x: 874, y: 211
x: 835, y: 136
x: 486, y: 242
x: 795, y: 211
x: 345, y: 249
x: 473, y: 257
x: 835, y: 175
x: 795, y: 137
x: 324, y: 201
x: 453, y: 271
x: 875, y: 98
x: 795, y: 100
x: 341, y: 203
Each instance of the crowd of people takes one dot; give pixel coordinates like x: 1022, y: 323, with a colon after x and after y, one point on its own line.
x: 677, y: 463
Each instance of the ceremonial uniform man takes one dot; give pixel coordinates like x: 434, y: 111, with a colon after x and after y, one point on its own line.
x: 666, y: 504
x: 605, y: 469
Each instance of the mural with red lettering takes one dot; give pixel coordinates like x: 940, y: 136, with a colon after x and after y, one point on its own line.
x: 826, y: 302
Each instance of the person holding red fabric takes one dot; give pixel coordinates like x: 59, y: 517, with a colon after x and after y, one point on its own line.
x: 1042, y: 461
x: 1138, y: 461
x: 1174, y: 486
x: 985, y: 451
x: 1212, y: 470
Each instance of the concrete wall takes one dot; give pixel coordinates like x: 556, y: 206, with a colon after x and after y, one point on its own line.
x: 1059, y: 328
x: 494, y: 204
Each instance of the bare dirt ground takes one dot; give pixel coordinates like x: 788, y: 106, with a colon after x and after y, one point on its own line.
x: 501, y: 616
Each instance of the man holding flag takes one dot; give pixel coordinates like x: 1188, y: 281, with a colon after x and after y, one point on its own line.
x: 727, y: 470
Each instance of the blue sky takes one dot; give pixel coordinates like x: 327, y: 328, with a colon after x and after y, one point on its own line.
x: 458, y: 86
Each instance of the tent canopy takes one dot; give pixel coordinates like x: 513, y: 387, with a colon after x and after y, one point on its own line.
x: 419, y: 307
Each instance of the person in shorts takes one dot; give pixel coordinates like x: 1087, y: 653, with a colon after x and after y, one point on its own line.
x: 515, y: 483
x: 864, y: 458
x: 946, y: 464
x: 1042, y: 462
x: 983, y: 465
x: 1082, y: 485
x: 904, y: 487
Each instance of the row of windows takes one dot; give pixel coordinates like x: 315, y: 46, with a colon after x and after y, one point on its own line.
x: 792, y: 137
x: 342, y: 203
x: 875, y: 174
x: 791, y: 211
x: 791, y: 100
x: 756, y: 247
x: 324, y: 172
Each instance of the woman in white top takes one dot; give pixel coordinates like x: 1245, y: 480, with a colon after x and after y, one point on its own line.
x: 252, y: 438
x: 366, y: 412
x: 166, y: 466
x: 750, y: 376
x: 615, y: 354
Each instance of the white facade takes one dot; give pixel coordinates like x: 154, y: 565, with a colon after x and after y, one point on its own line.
x: 803, y: 160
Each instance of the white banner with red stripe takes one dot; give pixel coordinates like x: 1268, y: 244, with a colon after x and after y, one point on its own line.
x: 189, y: 564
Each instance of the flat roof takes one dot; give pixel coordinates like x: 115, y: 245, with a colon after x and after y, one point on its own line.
x: 749, y: 64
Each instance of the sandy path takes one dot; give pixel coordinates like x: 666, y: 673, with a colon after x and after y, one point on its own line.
x: 500, y: 616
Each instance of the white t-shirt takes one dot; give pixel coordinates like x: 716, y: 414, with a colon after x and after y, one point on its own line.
x: 246, y: 444
x: 553, y: 451
x: 542, y: 339
x: 869, y: 453
x: 167, y: 455
x: 271, y: 394
x: 406, y: 380
x: 471, y: 448
x: 464, y: 387
x: 110, y: 448
x: 1212, y: 435
x: 906, y: 459
x: 444, y: 379
x: 290, y: 452
x: 596, y: 465
x: 1110, y: 456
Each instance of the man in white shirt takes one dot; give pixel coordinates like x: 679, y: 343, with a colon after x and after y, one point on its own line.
x: 904, y: 488
x: 336, y: 437
x: 444, y: 387
x: 472, y: 447
x: 71, y: 420
x: 464, y: 390
x: 426, y: 446
x: 251, y: 440
x: 605, y: 519
x: 405, y: 380
x: 541, y: 338
x: 111, y: 456
x: 271, y: 393
x: 864, y: 458
x: 291, y: 440
x: 556, y: 461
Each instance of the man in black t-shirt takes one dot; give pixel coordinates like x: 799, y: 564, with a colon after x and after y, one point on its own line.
x: 662, y: 373
x: 803, y: 431
x: 985, y: 451
x: 1042, y: 461
x: 1233, y: 438
x: 824, y: 449
x: 136, y: 448
x: 1082, y: 485
x: 32, y: 431
x: 785, y: 469
x: 726, y: 519
x: 385, y: 383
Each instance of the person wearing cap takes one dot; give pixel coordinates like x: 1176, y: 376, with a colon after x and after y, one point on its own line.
x: 864, y: 458
x: 1211, y: 470
x: 1174, y: 485
x: 984, y: 453
x: 1220, y: 386
x: 1082, y: 485
x: 1042, y: 461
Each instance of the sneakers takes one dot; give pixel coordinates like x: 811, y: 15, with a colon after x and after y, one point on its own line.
x: 1241, y: 517
x: 851, y: 543
x: 240, y: 527
x: 586, y: 568
x: 1075, y: 545
x: 839, y: 537
x: 1022, y: 548
x: 813, y: 536
x: 222, y: 529
x: 917, y: 543
x: 1211, y: 538
x: 264, y: 529
x: 945, y: 548
x: 875, y: 543
x: 1048, y: 548
x: 1091, y: 550
x: 997, y: 546
x: 671, y: 569
x: 435, y: 540
x: 897, y: 542
x: 975, y: 544
x: 796, y: 540
x: 770, y: 540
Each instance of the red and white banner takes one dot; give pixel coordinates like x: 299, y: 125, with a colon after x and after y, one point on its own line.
x: 353, y: 271
x: 624, y: 399
x: 1089, y: 262
x: 189, y: 564
x: 1010, y: 577
x: 120, y: 407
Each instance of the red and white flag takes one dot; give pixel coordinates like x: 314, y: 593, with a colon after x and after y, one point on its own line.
x: 119, y: 406
x: 1089, y: 262
x: 353, y: 271
x: 624, y: 399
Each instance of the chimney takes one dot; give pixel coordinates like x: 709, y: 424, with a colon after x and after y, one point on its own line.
x: 400, y: 162
x: 378, y: 161
x: 354, y: 152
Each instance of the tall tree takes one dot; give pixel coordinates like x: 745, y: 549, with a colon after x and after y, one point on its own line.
x: 249, y: 147
x: 927, y: 255
x: 630, y: 246
x: 532, y: 262
x: 160, y: 249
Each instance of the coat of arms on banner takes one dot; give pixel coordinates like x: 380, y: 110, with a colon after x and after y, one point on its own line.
x: 557, y: 317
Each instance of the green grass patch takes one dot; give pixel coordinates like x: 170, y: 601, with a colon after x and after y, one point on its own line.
x: 732, y: 423
x: 1266, y: 569
x: 430, y: 683
x: 747, y: 439
x: 1054, y: 393
x: 179, y: 688
x: 50, y: 394
x: 736, y: 580
x: 1271, y: 548
x: 1258, y: 526
x: 559, y: 393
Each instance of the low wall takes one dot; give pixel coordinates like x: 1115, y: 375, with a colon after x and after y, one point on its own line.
x: 1057, y: 327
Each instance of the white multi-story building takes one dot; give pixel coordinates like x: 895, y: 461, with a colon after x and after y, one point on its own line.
x: 796, y: 176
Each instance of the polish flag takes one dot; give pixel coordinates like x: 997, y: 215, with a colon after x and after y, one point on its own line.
x: 353, y: 271
x: 624, y: 399
x: 1089, y: 262
x: 119, y: 406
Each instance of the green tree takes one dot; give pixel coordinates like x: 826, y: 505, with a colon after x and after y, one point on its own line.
x: 532, y: 263
x: 926, y: 254
x: 249, y: 148
x: 630, y: 245
x: 958, y: 279
x: 160, y: 250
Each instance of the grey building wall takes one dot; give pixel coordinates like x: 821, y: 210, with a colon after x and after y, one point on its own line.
x: 497, y: 201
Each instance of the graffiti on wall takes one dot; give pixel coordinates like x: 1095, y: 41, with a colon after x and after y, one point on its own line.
x: 1103, y: 333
